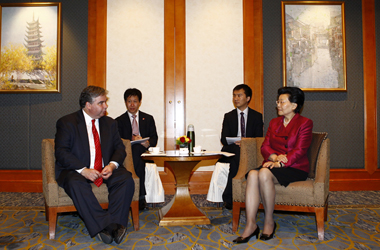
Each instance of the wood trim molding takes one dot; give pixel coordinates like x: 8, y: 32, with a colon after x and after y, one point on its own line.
x: 97, y: 43
x: 174, y: 71
x: 340, y: 180
x: 253, y: 51
x: 370, y: 88
x: 21, y: 181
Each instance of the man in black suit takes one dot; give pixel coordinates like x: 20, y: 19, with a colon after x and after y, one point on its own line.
x: 240, y: 122
x: 144, y: 127
x: 88, y: 149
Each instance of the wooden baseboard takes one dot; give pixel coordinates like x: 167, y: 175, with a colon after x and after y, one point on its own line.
x: 21, y: 181
x: 340, y: 180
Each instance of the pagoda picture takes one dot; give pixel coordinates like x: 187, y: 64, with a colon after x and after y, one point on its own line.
x: 30, y: 48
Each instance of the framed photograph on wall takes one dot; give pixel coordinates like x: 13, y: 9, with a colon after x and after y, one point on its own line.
x: 30, y: 47
x: 314, y: 45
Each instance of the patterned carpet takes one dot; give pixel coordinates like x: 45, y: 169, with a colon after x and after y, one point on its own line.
x: 353, y: 223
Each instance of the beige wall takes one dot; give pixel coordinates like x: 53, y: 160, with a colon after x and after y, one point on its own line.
x: 214, y: 61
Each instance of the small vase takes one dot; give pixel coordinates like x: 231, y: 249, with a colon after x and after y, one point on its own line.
x: 183, y: 149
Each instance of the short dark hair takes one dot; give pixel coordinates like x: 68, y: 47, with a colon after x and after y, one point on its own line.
x: 246, y: 88
x: 132, y: 92
x: 89, y: 94
x: 296, y: 95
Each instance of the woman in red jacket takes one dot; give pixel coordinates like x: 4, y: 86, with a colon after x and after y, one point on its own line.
x: 285, y: 160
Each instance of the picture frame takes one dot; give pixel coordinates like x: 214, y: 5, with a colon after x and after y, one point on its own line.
x: 314, y: 45
x: 30, y: 55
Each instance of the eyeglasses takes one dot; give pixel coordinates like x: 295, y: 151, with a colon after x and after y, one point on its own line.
x: 281, y: 102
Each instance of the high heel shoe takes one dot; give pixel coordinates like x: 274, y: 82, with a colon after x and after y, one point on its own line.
x: 268, y: 236
x: 240, y: 239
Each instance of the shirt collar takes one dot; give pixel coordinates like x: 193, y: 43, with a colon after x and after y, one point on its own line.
x: 245, y: 111
x: 137, y: 114
x: 87, y: 118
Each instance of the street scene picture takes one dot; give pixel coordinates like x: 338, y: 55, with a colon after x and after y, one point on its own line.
x: 314, y: 46
x: 30, y: 44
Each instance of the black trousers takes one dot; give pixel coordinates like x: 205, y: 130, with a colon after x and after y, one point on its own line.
x: 234, y: 167
x: 121, y: 188
x: 139, y: 165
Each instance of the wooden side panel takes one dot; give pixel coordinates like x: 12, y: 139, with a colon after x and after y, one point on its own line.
x: 253, y: 51
x: 97, y: 43
x: 175, y: 71
x: 370, y: 90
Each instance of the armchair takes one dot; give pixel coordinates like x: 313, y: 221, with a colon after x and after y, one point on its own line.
x: 309, y: 196
x: 56, y: 199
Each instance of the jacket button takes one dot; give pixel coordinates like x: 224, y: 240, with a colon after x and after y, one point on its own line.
x: 286, y: 146
x: 286, y: 137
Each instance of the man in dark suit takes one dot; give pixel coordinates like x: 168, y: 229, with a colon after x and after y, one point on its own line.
x: 88, y: 149
x: 144, y: 127
x: 240, y: 122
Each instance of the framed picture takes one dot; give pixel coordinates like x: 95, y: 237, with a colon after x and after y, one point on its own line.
x: 30, y: 48
x: 314, y: 45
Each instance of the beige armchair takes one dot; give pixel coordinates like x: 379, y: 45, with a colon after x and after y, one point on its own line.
x: 56, y: 199
x: 308, y: 196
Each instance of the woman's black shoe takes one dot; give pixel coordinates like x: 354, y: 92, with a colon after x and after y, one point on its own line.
x: 240, y: 239
x: 268, y: 236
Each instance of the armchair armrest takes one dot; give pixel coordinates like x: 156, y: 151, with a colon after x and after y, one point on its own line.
x: 128, y: 164
x: 50, y: 185
x: 322, y: 175
x: 248, y: 157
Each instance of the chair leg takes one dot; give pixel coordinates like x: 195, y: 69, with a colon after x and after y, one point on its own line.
x: 46, y: 212
x: 135, y: 214
x: 52, y: 221
x: 320, y: 218
x: 236, y: 215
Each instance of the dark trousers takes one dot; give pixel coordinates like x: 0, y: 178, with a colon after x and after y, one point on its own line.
x: 139, y: 165
x: 234, y: 166
x: 121, y: 188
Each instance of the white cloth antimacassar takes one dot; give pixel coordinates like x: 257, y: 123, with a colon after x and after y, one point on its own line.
x: 218, y: 182
x: 153, y: 185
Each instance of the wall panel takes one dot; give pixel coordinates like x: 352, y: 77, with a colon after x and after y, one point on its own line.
x: 135, y: 50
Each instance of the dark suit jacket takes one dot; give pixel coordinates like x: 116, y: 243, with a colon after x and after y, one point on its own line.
x: 230, y: 128
x: 147, y: 127
x: 293, y: 140
x: 72, y: 150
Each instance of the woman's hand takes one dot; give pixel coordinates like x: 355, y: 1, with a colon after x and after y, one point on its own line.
x: 271, y: 164
x: 282, y: 158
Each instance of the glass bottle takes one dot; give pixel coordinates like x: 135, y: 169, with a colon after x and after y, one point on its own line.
x: 191, y: 135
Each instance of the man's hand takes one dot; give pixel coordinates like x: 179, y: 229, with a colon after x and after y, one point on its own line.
x: 136, y: 137
x: 91, y: 174
x: 145, y: 144
x: 238, y: 143
x: 107, y: 171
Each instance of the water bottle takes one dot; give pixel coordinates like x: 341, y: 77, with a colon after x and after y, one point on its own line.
x: 191, y: 135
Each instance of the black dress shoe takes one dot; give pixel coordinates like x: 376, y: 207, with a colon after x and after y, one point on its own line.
x: 105, y: 236
x: 240, y: 239
x: 268, y: 236
x: 228, y: 205
x: 119, y: 233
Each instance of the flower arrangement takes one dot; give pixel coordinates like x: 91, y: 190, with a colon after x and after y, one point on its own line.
x: 183, y: 140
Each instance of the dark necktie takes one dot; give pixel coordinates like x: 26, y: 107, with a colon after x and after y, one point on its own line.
x: 135, y: 127
x: 98, y: 154
x: 242, y: 124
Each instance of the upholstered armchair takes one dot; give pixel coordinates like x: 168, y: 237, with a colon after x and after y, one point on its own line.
x: 56, y: 199
x: 309, y: 196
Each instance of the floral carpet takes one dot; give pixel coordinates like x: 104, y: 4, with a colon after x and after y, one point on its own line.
x: 353, y: 223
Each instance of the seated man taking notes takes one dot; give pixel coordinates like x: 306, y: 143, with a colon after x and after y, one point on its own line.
x: 240, y: 122
x: 136, y: 125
